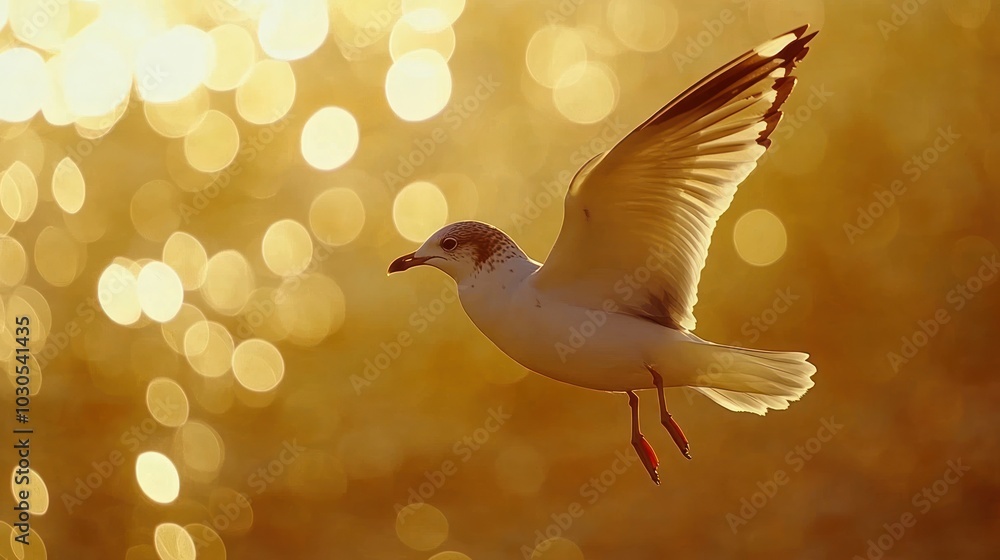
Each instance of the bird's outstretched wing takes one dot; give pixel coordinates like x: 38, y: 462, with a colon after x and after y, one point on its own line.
x: 639, y: 218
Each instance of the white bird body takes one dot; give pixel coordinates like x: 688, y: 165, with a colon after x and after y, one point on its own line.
x: 612, y: 307
x: 592, y: 348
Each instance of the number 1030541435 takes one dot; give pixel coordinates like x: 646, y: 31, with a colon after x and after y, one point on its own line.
x: 22, y: 349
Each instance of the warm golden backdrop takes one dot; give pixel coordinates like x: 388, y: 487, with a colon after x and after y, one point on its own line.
x: 200, y: 199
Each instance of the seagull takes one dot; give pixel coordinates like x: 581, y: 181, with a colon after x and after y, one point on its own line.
x: 611, y: 309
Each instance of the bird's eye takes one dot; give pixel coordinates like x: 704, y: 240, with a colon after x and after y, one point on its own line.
x: 449, y: 243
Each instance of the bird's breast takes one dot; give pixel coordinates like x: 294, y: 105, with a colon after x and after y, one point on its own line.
x: 592, y: 348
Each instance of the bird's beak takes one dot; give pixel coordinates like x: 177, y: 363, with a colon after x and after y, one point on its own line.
x: 406, y: 262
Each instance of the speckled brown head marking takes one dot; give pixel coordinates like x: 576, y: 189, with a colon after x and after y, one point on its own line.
x: 487, y: 245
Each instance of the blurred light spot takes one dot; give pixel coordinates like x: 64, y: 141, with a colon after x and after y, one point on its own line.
x: 35, y: 550
x: 40, y: 23
x: 235, y: 55
x: 228, y: 282
x: 167, y: 402
x: 258, y: 316
x: 969, y: 14
x: 177, y: 119
x: 142, y: 552
x: 234, y: 506
x: 171, y: 65
x: 54, y: 106
x: 160, y: 291
x: 557, y: 548
x: 90, y: 223
x: 268, y: 92
x: 309, y: 308
x: 287, y: 248
x: 329, y: 138
x: 760, y: 237
x: 200, y: 447
x: 18, y: 192
x: 552, y: 52
x: 118, y: 293
x: 210, y: 545
x: 421, y: 526
x: 96, y: 77
x: 419, y: 210
x: 213, y: 144
x: 68, y: 187
x: 174, y: 331
x: 293, y: 30
x: 38, y: 492
x: 13, y: 262
x: 26, y: 68
x: 586, y: 95
x: 449, y: 555
x: 173, y: 542
x: 337, y: 216
x: 155, y: 210
x: 432, y: 15
x: 187, y: 257
x: 258, y: 365
x: 157, y: 477
x: 406, y: 37
x: 418, y: 85
x: 643, y: 25
x: 209, y: 348
x: 58, y: 257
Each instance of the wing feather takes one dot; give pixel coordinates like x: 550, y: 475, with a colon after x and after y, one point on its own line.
x: 639, y: 218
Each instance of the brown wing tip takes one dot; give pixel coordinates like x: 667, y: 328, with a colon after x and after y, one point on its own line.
x: 792, y: 53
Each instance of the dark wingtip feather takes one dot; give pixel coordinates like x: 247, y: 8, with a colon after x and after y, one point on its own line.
x: 744, y: 69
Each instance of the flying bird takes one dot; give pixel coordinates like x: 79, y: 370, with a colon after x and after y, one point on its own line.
x: 611, y: 308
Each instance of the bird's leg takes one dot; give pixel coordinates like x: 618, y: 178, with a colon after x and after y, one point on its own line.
x: 666, y: 419
x: 642, y: 447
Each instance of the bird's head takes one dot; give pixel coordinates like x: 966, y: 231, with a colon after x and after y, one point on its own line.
x: 461, y: 250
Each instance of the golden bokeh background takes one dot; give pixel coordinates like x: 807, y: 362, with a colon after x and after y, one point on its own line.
x: 200, y: 200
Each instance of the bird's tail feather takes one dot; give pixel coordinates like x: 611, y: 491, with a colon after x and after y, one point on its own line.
x: 747, y: 380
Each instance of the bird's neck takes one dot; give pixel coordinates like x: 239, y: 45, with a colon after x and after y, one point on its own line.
x: 498, y: 275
